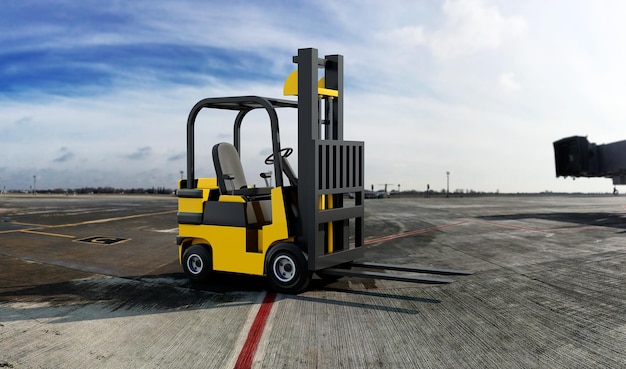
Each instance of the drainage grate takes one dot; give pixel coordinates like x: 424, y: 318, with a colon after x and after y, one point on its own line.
x: 103, y: 240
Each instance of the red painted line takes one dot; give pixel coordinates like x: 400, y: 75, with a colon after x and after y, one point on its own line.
x: 246, y: 356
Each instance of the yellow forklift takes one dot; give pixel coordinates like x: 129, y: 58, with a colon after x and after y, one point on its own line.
x: 302, y: 225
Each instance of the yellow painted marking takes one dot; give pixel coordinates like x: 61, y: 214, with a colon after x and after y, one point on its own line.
x: 46, y: 233
x: 106, y: 220
x: 95, y: 221
x: 22, y: 230
x: 28, y: 224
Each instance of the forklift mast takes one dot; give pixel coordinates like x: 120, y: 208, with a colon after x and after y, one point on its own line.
x: 329, y: 167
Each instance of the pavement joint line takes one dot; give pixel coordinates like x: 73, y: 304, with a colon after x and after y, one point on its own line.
x: 557, y: 230
x: 529, y: 229
x: 412, y: 233
x: 514, y: 227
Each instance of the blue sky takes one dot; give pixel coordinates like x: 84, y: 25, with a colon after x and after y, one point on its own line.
x: 96, y: 93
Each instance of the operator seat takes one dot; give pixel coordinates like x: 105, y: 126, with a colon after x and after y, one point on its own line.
x: 230, y: 177
x: 232, y: 181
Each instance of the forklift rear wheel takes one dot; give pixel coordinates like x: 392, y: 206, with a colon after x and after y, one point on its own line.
x: 287, y: 269
x: 197, y: 263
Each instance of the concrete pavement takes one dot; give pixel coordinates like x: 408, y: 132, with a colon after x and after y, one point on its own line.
x: 548, y: 290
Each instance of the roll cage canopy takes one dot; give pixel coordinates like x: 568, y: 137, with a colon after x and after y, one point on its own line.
x: 244, y: 105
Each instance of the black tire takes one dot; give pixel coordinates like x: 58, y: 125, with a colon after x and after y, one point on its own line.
x: 287, y: 269
x: 197, y: 263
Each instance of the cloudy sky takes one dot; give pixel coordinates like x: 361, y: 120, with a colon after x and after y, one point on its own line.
x: 97, y: 93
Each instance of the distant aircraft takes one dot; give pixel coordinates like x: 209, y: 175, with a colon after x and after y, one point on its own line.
x: 576, y: 157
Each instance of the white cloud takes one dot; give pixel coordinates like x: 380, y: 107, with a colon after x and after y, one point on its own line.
x: 508, y: 82
x: 477, y: 88
x: 471, y: 26
x: 409, y: 36
x: 468, y: 26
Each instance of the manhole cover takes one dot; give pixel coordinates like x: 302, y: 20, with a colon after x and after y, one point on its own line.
x: 103, y: 240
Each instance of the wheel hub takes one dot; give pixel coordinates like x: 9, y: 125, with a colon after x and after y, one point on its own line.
x: 284, y: 268
x: 195, y: 264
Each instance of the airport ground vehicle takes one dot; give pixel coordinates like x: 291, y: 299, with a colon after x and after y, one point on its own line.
x: 576, y: 157
x: 302, y: 225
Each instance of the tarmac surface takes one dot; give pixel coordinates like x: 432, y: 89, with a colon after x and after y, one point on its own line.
x: 94, y: 282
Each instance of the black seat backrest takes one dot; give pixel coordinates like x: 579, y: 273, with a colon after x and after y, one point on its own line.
x: 230, y: 176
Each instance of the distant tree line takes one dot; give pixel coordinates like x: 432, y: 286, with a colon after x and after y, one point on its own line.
x: 392, y: 193
x: 472, y: 193
x: 106, y: 190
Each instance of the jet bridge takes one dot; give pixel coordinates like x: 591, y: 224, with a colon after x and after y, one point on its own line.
x: 577, y: 157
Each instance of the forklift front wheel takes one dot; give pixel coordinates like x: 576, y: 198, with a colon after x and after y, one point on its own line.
x: 197, y: 263
x: 287, y: 269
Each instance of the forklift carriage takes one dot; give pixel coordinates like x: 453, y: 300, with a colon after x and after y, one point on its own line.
x: 287, y: 231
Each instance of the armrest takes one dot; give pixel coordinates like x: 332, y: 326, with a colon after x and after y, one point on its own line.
x: 253, y: 191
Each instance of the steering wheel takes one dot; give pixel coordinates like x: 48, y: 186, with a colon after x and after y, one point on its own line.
x: 284, y: 152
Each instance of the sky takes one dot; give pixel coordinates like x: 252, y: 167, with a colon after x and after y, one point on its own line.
x: 97, y: 92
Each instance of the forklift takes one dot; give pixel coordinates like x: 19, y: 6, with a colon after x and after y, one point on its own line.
x: 302, y: 225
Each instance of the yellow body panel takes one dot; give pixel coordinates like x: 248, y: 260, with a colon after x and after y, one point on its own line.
x: 232, y: 198
x: 203, y: 183
x: 228, y: 243
x: 207, y: 183
x: 228, y: 246
x: 229, y: 251
x: 276, y: 231
x: 188, y: 205
x: 291, y: 86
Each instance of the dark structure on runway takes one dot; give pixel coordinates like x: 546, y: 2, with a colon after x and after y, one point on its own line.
x: 576, y: 157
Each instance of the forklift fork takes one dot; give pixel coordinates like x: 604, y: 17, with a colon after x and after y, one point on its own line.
x: 348, y: 272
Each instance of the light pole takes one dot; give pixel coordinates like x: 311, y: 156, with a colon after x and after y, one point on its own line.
x: 447, y: 184
x: 34, y: 185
